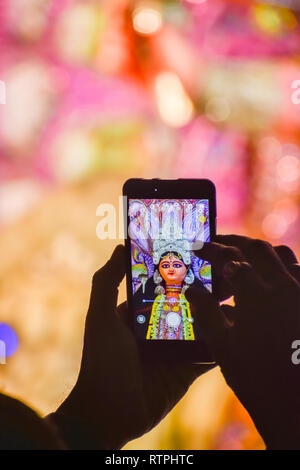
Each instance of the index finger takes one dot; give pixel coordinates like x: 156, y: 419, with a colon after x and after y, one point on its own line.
x: 219, y: 255
x: 260, y: 254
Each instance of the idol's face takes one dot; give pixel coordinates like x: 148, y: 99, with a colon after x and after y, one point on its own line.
x: 172, y: 270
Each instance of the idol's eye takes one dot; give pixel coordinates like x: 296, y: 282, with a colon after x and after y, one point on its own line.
x: 177, y: 265
x: 165, y: 265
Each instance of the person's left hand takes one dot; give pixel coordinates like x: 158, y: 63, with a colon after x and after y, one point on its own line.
x: 117, y: 397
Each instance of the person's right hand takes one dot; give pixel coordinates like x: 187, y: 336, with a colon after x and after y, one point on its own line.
x: 252, y: 342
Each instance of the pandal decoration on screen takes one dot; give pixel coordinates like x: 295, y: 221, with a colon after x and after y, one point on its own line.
x: 166, y: 229
x: 149, y: 234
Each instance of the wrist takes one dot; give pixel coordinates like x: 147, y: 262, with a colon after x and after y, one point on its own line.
x: 82, y: 422
x: 75, y: 427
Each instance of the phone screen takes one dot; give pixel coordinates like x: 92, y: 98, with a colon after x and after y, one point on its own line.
x: 164, y: 233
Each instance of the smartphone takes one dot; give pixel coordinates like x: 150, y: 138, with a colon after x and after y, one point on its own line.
x: 165, y: 221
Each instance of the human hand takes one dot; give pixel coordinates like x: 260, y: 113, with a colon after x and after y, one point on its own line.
x: 252, y: 342
x: 117, y: 397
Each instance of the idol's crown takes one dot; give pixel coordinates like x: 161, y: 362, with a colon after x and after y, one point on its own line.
x: 182, y: 247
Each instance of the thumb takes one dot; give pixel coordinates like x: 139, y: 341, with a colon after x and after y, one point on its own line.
x: 105, y: 283
x: 209, y: 317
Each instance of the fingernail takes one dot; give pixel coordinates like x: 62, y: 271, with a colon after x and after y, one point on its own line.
x: 230, y: 269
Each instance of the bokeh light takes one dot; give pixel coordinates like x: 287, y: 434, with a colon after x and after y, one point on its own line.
x: 288, y: 168
x: 217, y: 109
x: 10, y: 339
x: 268, y: 18
x: 174, y: 105
x: 147, y: 20
x: 274, y: 226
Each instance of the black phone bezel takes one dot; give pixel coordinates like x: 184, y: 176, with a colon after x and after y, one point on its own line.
x: 138, y: 188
